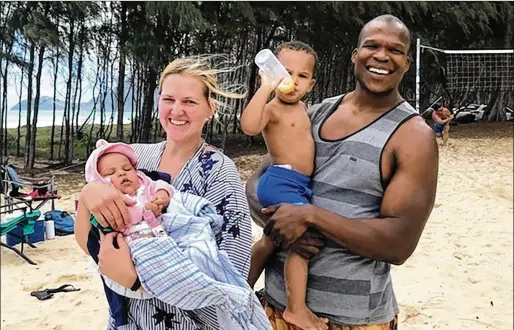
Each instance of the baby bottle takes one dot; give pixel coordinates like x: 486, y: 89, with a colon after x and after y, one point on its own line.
x: 270, y: 66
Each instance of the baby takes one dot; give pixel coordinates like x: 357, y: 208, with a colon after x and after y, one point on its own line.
x: 179, y: 244
x: 114, y: 163
x: 286, y: 128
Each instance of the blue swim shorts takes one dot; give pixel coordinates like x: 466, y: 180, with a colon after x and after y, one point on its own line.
x: 281, y: 185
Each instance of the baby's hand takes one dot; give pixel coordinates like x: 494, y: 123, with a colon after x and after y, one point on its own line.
x: 161, y: 198
x: 267, y: 83
x: 154, y: 207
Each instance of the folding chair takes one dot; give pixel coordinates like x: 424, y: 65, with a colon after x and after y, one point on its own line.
x: 42, y: 189
x: 25, y: 221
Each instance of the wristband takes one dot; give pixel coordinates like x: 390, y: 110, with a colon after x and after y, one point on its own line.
x: 95, y: 223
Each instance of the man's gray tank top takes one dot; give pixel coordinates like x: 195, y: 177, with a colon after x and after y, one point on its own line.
x: 346, y: 288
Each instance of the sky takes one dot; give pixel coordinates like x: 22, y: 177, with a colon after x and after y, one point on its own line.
x: 47, y: 83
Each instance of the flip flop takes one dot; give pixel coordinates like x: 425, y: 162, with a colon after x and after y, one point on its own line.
x: 42, y: 295
x: 49, y: 293
x: 63, y: 288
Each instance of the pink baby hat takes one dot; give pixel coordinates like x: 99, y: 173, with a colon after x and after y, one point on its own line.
x: 103, y: 147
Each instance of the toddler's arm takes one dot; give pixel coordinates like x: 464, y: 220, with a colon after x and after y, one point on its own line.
x: 256, y: 115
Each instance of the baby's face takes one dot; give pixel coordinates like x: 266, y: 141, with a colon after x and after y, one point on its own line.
x: 118, y: 168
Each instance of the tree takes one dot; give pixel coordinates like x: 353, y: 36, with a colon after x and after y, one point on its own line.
x: 41, y: 31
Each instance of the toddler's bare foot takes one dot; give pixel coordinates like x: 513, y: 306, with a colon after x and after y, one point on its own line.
x: 305, y: 319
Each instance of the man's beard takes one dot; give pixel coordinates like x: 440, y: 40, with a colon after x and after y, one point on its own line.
x: 378, y: 94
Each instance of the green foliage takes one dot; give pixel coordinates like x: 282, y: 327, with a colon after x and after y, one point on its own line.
x: 155, y: 33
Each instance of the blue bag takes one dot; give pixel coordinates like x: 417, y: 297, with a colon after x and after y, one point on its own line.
x: 63, y: 222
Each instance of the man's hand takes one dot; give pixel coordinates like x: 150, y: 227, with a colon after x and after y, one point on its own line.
x: 309, y: 244
x: 287, y: 223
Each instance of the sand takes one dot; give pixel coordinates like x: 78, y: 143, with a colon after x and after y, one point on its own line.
x: 459, y: 277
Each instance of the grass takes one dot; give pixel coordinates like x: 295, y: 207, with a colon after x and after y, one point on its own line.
x: 43, y: 136
x: 236, y: 144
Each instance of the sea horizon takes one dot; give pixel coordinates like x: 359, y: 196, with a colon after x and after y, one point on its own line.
x: 45, y: 118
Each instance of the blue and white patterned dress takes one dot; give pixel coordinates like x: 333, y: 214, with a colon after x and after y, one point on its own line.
x: 214, y: 176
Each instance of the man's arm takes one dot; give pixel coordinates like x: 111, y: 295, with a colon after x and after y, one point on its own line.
x: 406, y: 205
x: 439, y: 120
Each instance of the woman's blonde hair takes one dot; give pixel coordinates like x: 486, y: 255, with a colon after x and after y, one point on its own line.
x: 209, y: 69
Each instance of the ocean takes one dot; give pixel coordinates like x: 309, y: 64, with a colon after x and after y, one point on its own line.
x: 45, y: 118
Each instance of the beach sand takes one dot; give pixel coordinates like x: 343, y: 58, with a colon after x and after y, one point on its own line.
x: 459, y: 277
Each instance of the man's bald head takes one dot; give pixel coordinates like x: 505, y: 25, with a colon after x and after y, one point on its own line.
x: 385, y: 19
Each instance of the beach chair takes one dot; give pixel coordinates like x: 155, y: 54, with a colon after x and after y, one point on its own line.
x: 41, y: 190
x: 25, y: 221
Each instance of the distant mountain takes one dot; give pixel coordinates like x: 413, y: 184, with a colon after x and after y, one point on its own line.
x: 46, y: 104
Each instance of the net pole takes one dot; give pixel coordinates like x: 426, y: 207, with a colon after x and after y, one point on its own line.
x: 418, y: 51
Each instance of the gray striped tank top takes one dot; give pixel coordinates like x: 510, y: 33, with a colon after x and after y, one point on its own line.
x: 345, y: 287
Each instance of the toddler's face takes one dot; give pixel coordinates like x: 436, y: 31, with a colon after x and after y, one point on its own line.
x: 118, y: 168
x: 300, y: 66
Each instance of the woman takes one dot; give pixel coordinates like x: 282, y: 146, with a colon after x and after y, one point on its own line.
x: 187, y: 101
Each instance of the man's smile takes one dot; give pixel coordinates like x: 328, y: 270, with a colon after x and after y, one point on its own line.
x: 379, y: 71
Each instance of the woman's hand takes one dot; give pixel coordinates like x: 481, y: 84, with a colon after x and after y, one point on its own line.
x: 114, y: 263
x: 107, y: 204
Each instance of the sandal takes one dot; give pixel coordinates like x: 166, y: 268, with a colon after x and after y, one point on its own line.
x: 49, y: 293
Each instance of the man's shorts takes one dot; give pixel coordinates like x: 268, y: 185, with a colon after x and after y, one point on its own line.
x: 438, y: 129
x: 280, y: 184
x: 278, y: 323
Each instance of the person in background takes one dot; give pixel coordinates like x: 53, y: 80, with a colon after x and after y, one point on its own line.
x: 442, y: 118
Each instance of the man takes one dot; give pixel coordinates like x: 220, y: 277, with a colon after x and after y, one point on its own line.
x: 442, y: 118
x: 373, y: 184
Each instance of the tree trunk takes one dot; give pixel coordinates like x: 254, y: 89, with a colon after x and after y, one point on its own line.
x: 148, y: 103
x: 89, y: 141
x: 3, y: 117
x: 111, y: 95
x: 61, y: 133
x: 93, y: 109
x: 18, y: 143
x: 52, y: 133
x: 68, y: 137
x: 79, y: 80
x: 139, y: 113
x: 18, y: 137
x: 104, y: 84
x: 132, y: 84
x: 121, y: 74
x: 29, y: 103
x: 32, y: 150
